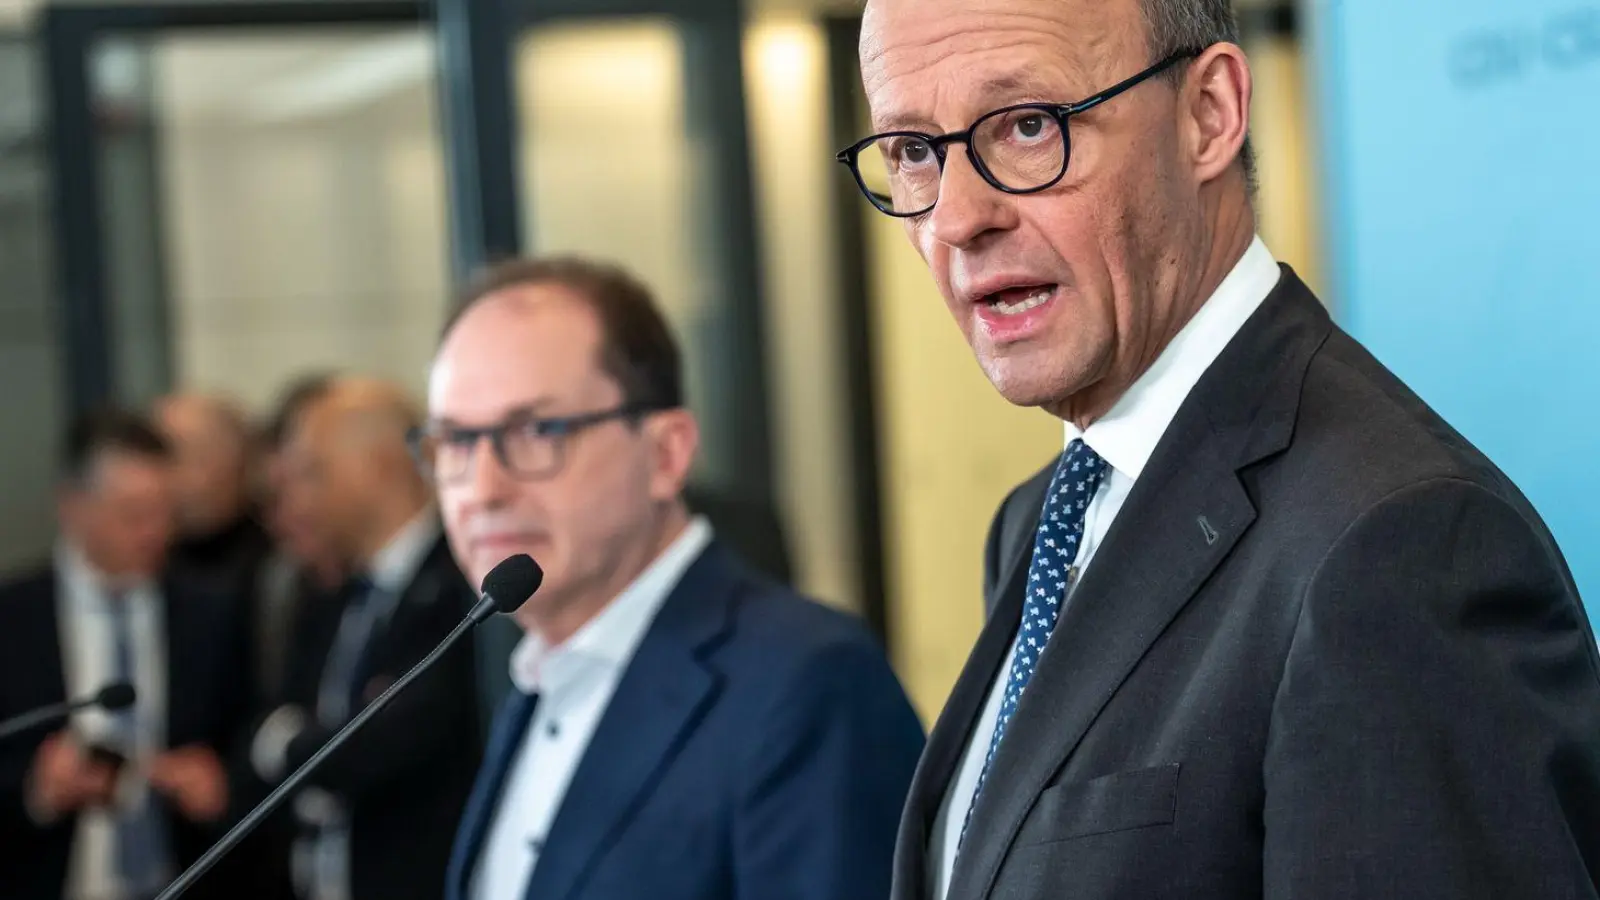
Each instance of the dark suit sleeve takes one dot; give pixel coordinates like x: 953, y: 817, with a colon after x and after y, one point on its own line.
x: 819, y: 810
x: 424, y: 722
x: 15, y: 761
x: 1435, y: 731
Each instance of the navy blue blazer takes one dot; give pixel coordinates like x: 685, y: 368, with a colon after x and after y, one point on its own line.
x: 758, y: 746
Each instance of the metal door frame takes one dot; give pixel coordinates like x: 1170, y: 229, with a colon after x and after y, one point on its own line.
x: 69, y: 34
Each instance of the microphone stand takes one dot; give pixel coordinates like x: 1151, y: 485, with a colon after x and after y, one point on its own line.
x: 282, y: 792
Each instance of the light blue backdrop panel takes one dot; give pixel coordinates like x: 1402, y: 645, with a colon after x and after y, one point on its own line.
x: 1461, y: 148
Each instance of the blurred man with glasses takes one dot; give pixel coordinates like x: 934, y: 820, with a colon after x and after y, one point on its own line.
x: 680, y: 727
x: 1266, y: 626
x: 377, y: 820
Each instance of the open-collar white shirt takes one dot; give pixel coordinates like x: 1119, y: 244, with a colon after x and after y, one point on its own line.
x: 574, y: 682
x: 84, y: 621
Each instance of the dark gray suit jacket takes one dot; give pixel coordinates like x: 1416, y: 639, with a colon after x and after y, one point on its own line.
x: 1327, y: 650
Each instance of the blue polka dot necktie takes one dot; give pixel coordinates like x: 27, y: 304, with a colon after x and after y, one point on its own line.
x: 1055, y: 549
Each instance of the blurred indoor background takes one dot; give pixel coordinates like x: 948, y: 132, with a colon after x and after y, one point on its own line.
x: 224, y: 196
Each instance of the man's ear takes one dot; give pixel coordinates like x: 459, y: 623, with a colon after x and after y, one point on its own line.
x: 674, y: 437
x: 1216, y: 109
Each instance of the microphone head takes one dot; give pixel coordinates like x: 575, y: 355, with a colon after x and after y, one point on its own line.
x: 512, y: 582
x: 116, y: 696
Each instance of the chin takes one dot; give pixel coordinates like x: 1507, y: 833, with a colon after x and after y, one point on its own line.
x: 1027, y: 395
x: 1043, y: 376
x: 1023, y: 383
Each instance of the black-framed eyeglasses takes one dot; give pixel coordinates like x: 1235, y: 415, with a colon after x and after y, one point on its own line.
x: 529, y: 447
x: 1019, y: 149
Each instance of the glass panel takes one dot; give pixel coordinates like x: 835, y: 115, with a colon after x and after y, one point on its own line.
x: 274, y: 204
x: 1281, y: 107
x: 787, y: 92
x: 609, y: 171
x: 32, y: 404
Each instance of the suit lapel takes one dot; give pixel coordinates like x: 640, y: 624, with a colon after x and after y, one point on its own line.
x: 177, y: 638
x: 947, y: 742
x: 663, y: 693
x: 428, y: 583
x: 1184, y: 516
x: 504, y: 740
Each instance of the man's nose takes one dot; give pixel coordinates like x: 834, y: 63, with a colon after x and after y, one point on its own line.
x: 486, y: 476
x: 969, y: 206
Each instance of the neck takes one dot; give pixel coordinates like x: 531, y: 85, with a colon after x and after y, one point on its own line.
x: 108, y: 576
x: 1224, y: 237
x: 218, y: 526
x: 556, y: 622
x: 387, y: 521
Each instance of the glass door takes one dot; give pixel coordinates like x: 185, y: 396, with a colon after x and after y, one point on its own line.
x: 632, y: 147
x: 248, y: 193
x: 615, y: 129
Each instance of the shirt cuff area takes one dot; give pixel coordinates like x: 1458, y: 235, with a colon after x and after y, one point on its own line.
x: 269, y: 751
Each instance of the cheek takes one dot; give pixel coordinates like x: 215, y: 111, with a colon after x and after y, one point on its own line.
x: 453, y: 508
x: 1089, y: 242
x: 936, y: 256
x: 593, y: 502
x: 933, y: 252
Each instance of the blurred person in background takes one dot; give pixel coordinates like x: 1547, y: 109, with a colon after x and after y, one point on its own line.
x: 114, y: 805
x: 681, y: 727
x: 299, y: 570
x: 220, y: 536
x: 300, y: 565
x: 376, y: 820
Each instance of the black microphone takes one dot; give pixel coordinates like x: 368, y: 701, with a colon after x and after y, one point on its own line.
x: 505, y: 588
x: 113, y: 697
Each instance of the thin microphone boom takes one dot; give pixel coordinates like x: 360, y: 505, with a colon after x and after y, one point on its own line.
x: 112, y: 697
x: 505, y: 589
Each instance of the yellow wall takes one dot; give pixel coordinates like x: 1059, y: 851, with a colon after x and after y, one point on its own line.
x: 1280, y: 128
x: 786, y: 92
x: 951, y: 449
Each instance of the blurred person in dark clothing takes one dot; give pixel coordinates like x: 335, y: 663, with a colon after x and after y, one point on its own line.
x: 298, y: 571
x: 299, y: 565
x: 220, y: 537
x: 115, y: 804
x: 376, y: 821
x: 753, y: 529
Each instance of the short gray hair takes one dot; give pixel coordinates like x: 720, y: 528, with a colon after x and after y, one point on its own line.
x: 1173, y: 26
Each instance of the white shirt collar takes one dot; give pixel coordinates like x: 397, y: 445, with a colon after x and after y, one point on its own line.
x: 1127, y: 435
x: 608, y: 640
x: 393, y: 567
x: 86, y: 580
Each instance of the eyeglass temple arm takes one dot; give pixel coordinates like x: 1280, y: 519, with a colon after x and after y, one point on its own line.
x: 1072, y: 109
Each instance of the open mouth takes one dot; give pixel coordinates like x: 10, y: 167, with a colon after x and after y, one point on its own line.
x: 1015, y: 301
x: 1018, y: 312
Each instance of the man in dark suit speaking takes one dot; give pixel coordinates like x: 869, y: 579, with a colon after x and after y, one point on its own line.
x: 1267, y: 627
x: 681, y: 728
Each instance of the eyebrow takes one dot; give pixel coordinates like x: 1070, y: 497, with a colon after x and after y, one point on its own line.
x: 993, y: 93
x: 530, y: 409
x: 1013, y: 85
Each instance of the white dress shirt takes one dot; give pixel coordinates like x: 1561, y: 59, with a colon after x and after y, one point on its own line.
x: 574, y: 682
x: 88, y: 657
x: 1125, y: 438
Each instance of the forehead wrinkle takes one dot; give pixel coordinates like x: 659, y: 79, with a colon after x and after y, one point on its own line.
x: 1064, y: 69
